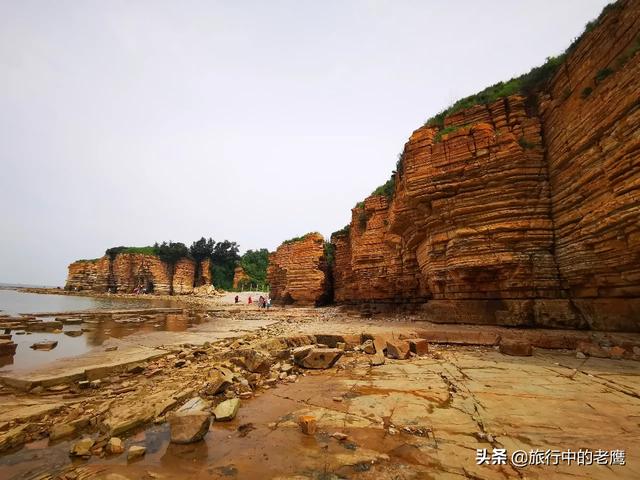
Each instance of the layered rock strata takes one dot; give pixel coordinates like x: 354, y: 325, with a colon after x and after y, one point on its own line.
x: 519, y: 212
x: 125, y: 272
x: 591, y: 126
x: 297, y: 272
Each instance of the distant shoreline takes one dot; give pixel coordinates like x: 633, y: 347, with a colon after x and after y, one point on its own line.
x: 186, y: 300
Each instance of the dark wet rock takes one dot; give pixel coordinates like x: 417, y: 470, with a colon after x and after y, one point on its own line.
x: 189, y: 426
x: 73, y: 333
x: 45, y: 345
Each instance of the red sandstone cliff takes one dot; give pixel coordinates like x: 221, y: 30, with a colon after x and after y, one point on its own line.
x: 297, y: 272
x: 593, y: 150
x: 525, y: 212
x: 126, y: 271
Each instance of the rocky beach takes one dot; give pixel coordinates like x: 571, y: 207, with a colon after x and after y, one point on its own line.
x: 477, y: 318
x: 351, y: 397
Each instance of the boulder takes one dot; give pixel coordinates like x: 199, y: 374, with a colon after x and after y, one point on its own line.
x: 61, y: 431
x: 256, y: 361
x: 115, y: 446
x: 515, y: 348
x: 45, y: 345
x: 189, y: 426
x: 219, y: 379
x: 300, y: 352
x: 320, y: 358
x: 82, y: 448
x: 419, y: 346
x: 368, y: 347
x: 377, y: 360
x: 73, y: 333
x: 135, y: 452
x: 398, y: 349
x: 308, y: 424
x: 226, y: 410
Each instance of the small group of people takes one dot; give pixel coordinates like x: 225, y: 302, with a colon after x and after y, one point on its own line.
x: 141, y: 289
x: 263, y: 302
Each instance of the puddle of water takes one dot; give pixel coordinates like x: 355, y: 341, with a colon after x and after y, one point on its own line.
x: 96, y: 329
x: 227, y: 451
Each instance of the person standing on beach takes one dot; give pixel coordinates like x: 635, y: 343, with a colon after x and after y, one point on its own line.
x: 250, y: 301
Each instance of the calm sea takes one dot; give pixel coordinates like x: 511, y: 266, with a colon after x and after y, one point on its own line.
x: 14, y: 302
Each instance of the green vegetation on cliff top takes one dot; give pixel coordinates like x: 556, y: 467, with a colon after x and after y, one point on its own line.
x: 298, y: 239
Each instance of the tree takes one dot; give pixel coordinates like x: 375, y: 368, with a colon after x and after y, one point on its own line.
x: 201, y: 250
x: 254, y: 263
x: 223, y: 263
x: 170, y: 253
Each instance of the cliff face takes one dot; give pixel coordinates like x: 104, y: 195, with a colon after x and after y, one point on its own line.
x: 297, y: 272
x: 591, y: 125
x: 518, y: 212
x: 183, y: 277
x: 126, y: 271
x: 369, y: 261
x: 89, y: 275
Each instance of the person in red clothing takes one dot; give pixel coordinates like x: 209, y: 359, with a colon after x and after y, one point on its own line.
x: 250, y: 301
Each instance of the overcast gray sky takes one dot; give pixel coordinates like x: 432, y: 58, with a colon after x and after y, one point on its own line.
x: 129, y: 122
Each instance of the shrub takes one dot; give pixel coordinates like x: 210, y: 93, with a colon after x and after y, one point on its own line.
x: 329, y: 253
x: 443, y: 131
x: 525, y: 144
x: 602, y: 74
x: 298, y: 239
x: 626, y: 55
x: 343, y: 231
x: 386, y: 189
x: 526, y: 84
x: 113, y: 251
x: 586, y: 92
